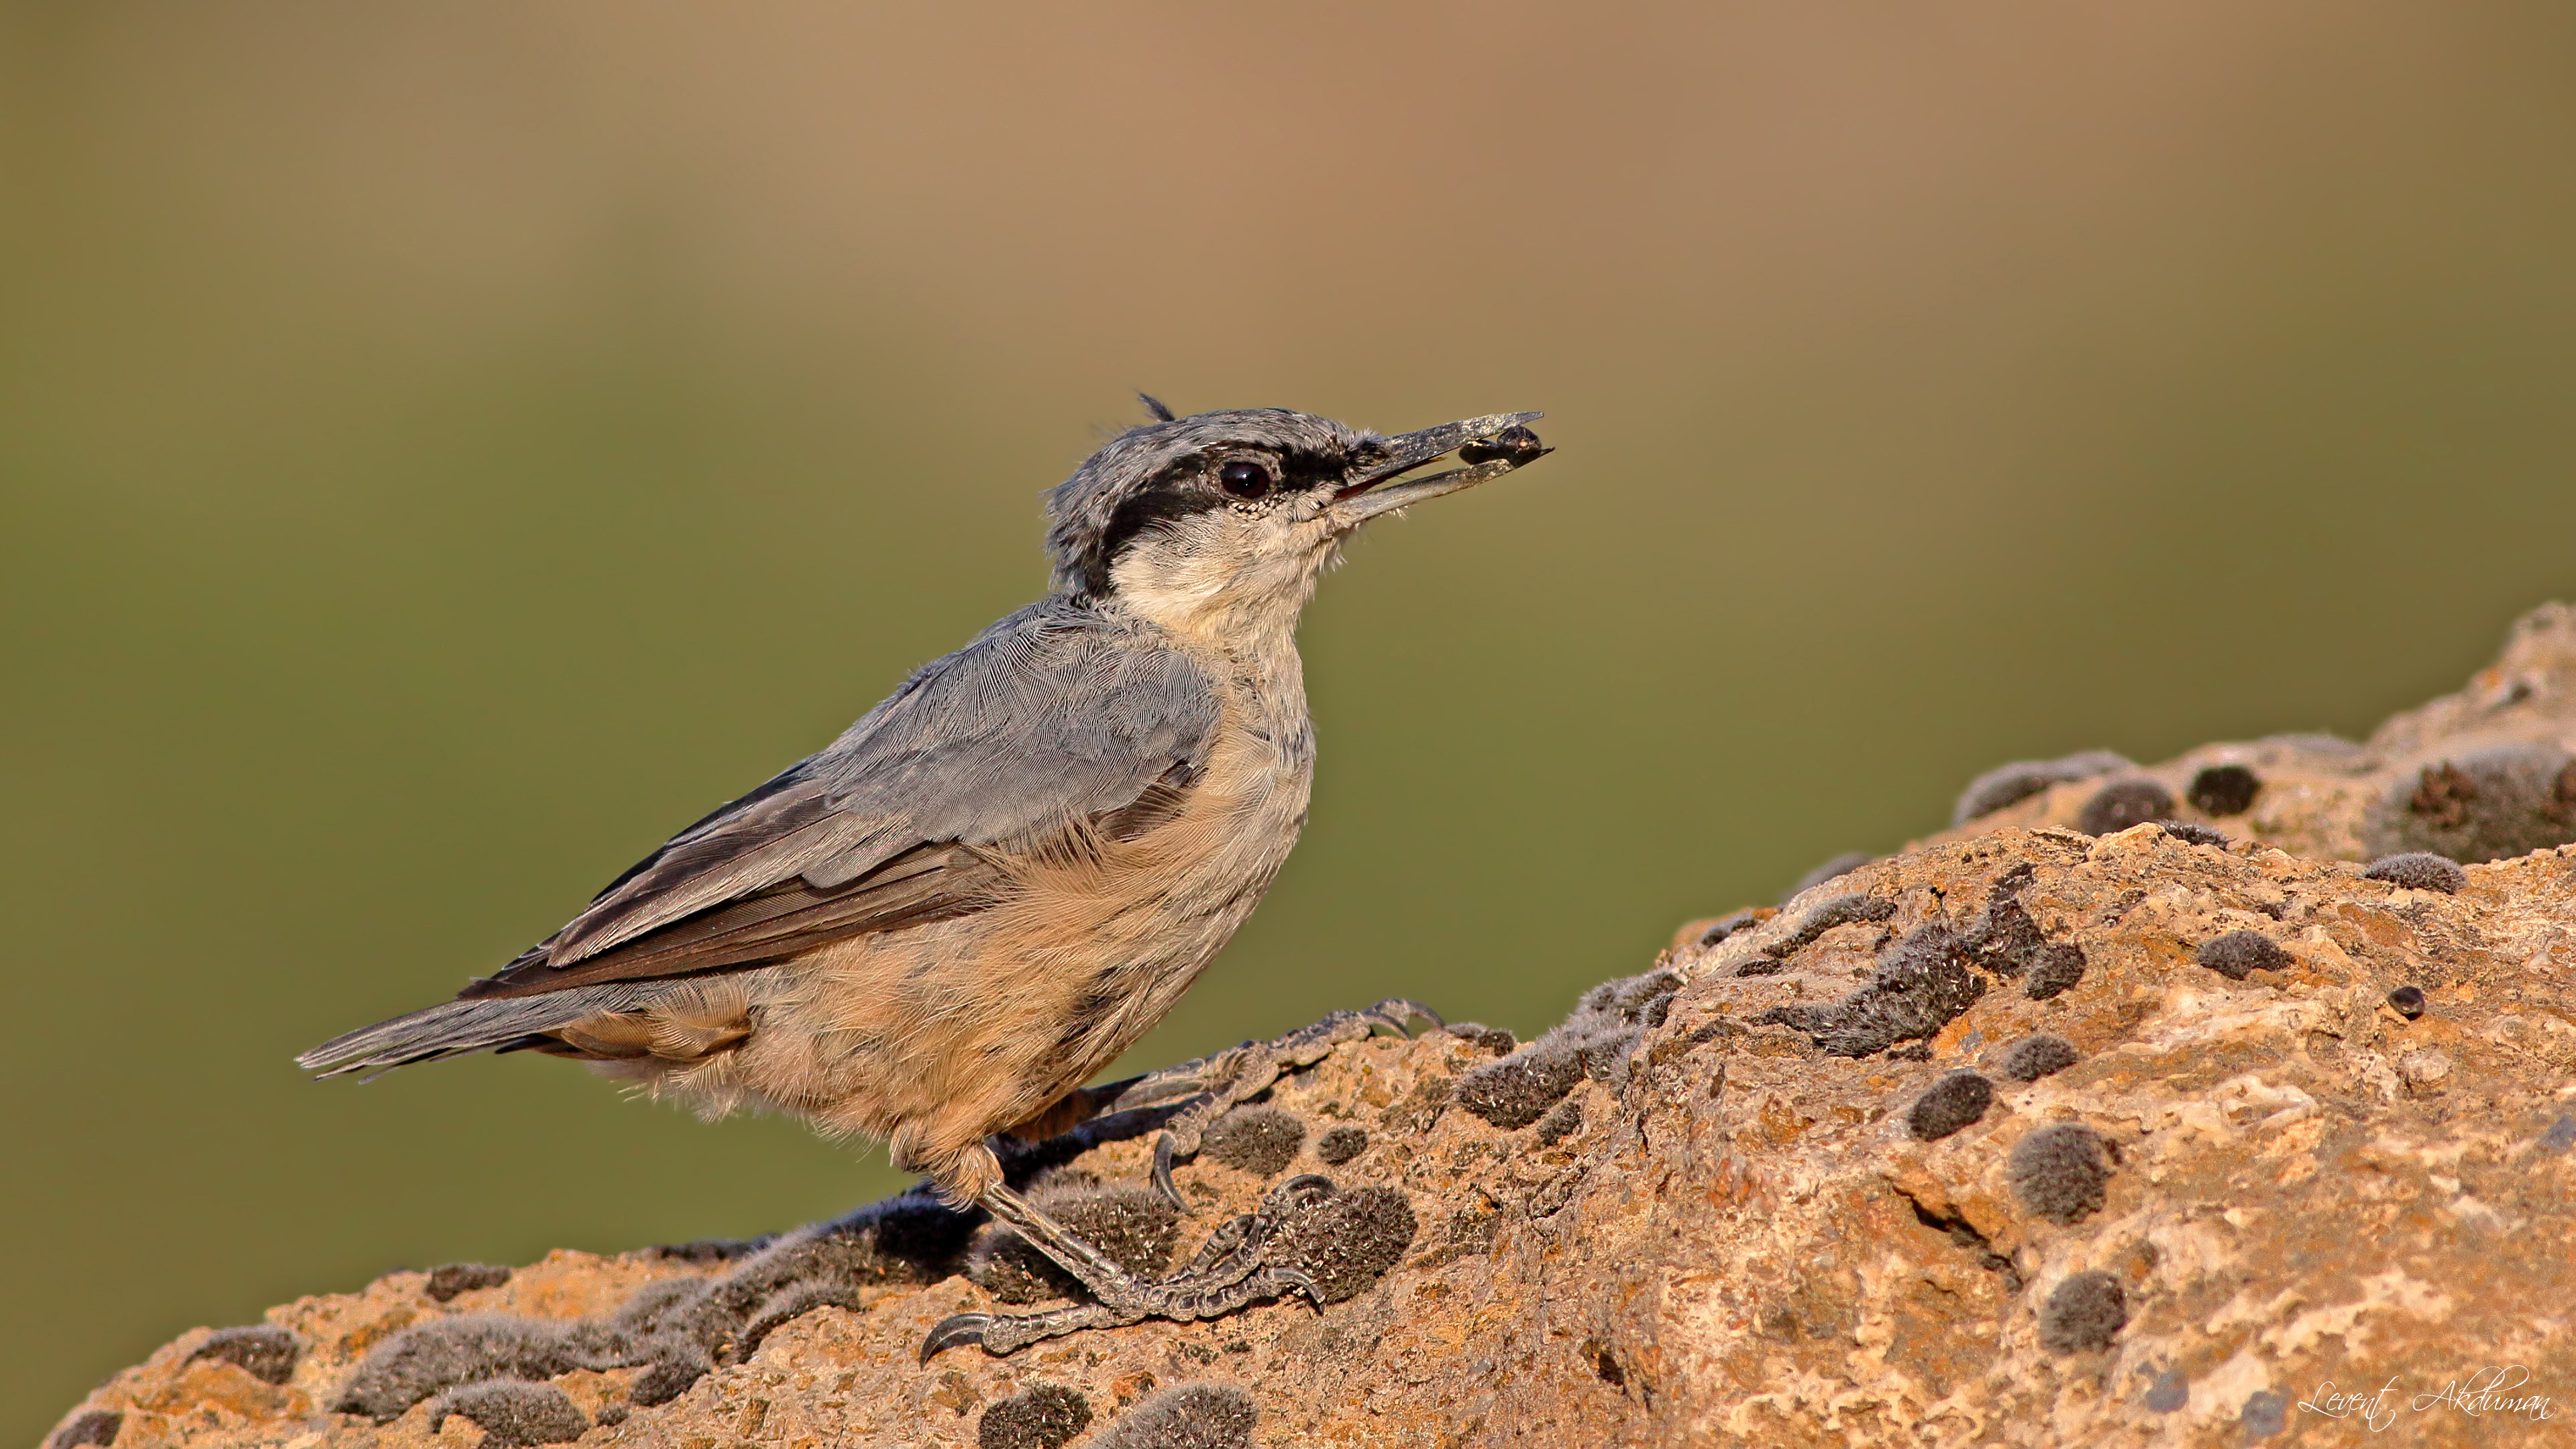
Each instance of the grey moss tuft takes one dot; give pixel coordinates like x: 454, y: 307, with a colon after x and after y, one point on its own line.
x: 1493, y: 1039
x: 1258, y: 1140
x: 263, y: 1350
x: 673, y: 1330
x: 1562, y: 1121
x: 512, y: 1413
x: 2420, y: 870
x: 2490, y: 804
x: 2265, y: 1414
x: 2005, y: 941
x: 1594, y: 1041
x: 2169, y: 1392
x: 2122, y: 804
x: 1190, y: 1416
x: 454, y: 1278
x: 95, y: 1426
x: 1955, y: 1102
x: 2060, y: 1172
x: 423, y: 1360
x: 1727, y: 925
x: 1346, y: 1241
x: 1918, y: 986
x: 2011, y: 784
x: 1134, y: 1226
x: 2085, y: 1312
x: 2240, y: 954
x: 1041, y: 1416
x: 1340, y: 1144
x: 2223, y: 790
x: 2191, y: 833
x: 2055, y: 972
x: 1518, y: 1090
x: 1852, y: 908
x: 2037, y: 1056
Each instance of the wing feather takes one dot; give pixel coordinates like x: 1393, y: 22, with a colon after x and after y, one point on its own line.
x: 1053, y: 716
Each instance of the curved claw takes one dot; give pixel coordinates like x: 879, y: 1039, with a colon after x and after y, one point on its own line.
x: 1398, y: 1015
x: 956, y: 1329
x: 1293, y: 1279
x: 1302, y: 1184
x: 1163, y: 1173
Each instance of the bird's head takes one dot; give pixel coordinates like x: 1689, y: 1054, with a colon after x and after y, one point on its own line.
x: 1225, y: 517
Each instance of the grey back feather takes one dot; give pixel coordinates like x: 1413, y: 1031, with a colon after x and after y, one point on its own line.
x: 1060, y: 712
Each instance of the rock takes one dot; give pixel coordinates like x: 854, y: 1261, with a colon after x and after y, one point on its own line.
x: 92, y: 1426
x: 1834, y: 869
x: 2485, y: 774
x: 1699, y: 1212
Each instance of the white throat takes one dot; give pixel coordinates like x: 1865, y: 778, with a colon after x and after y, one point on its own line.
x: 1223, y: 587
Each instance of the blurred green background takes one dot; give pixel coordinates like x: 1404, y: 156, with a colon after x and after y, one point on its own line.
x: 445, y: 448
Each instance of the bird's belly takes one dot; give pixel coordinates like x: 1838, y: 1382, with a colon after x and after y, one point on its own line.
x: 946, y: 1033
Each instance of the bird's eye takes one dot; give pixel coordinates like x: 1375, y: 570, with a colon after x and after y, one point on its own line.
x: 1243, y: 478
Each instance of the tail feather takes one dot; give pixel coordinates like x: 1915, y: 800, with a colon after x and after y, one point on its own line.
x: 455, y: 1028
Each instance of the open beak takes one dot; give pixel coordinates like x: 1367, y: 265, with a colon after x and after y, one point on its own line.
x: 1491, y: 447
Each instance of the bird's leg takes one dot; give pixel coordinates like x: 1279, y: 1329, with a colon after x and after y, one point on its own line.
x: 1215, y: 1084
x: 1228, y: 1272
x: 1226, y: 1275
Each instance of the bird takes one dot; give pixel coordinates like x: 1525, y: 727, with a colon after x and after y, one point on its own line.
x: 935, y: 930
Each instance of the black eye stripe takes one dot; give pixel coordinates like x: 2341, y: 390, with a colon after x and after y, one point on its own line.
x: 1152, y: 509
x: 1196, y: 486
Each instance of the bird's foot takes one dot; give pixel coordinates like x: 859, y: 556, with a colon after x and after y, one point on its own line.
x: 1216, y: 1084
x: 1227, y: 1274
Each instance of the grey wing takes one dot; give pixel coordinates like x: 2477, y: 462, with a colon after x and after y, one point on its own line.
x: 1051, y: 717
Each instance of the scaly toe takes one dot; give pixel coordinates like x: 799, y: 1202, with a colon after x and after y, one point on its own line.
x: 1192, y: 1297
x: 1234, y: 1250
x: 1001, y: 1334
x: 1010, y: 1335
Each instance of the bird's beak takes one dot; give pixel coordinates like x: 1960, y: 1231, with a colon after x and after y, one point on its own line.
x: 1492, y: 446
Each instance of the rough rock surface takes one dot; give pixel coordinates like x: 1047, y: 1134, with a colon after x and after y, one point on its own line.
x: 1699, y: 1213
x: 2486, y: 773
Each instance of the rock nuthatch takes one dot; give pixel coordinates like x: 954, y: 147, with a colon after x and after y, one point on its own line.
x: 939, y: 927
